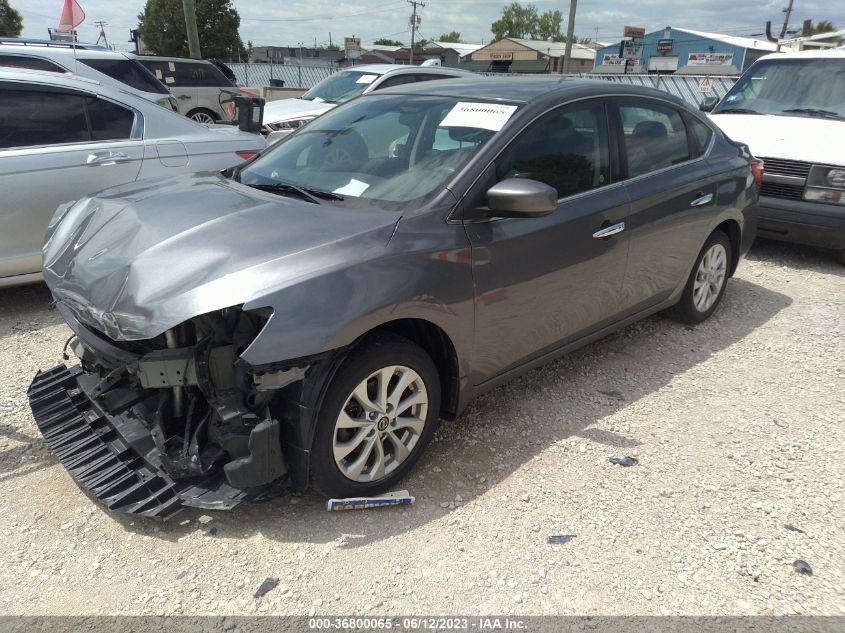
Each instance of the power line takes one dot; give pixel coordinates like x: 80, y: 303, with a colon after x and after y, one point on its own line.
x: 331, y: 16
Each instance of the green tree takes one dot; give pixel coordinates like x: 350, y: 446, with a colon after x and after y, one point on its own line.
x: 548, y: 27
x: 452, y: 37
x: 516, y: 21
x: 383, y: 41
x: 332, y: 47
x: 162, y: 27
x: 823, y: 26
x: 11, y: 22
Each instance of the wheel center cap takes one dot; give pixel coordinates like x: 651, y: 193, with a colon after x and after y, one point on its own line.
x: 382, y: 424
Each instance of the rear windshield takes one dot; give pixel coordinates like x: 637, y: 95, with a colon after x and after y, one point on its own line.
x: 32, y: 63
x: 129, y: 72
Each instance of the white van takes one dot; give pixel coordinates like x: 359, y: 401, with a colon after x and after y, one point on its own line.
x: 789, y: 108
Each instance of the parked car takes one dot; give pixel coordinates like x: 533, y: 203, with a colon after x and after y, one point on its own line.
x: 63, y: 137
x: 86, y: 60
x: 789, y: 108
x: 285, y: 115
x: 308, y: 316
x: 196, y: 84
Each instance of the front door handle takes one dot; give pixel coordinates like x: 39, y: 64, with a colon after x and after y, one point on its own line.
x: 107, y: 158
x: 609, y: 230
x: 702, y: 199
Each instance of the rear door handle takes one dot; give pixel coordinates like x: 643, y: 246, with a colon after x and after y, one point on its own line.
x: 184, y: 96
x: 702, y: 199
x: 107, y: 158
x: 609, y: 230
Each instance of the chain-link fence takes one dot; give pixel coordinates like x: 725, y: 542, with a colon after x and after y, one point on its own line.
x: 687, y: 87
x: 294, y: 75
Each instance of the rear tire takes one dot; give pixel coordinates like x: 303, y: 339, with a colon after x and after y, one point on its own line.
x: 378, y: 414
x: 707, y: 281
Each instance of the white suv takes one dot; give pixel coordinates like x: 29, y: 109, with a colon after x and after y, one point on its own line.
x: 87, y: 60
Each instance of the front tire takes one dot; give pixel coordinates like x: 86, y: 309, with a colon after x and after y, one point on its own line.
x: 707, y: 281
x: 379, y: 413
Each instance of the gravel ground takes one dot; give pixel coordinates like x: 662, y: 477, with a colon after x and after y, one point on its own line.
x: 737, y: 426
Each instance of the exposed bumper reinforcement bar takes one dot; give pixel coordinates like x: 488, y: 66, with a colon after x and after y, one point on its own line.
x: 106, y: 454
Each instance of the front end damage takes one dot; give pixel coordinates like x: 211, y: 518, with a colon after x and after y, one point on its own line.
x: 148, y: 427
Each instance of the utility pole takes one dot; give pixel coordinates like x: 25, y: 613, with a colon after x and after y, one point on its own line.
x: 570, y: 35
x: 191, y: 27
x: 102, y: 34
x: 788, y: 12
x: 414, y: 24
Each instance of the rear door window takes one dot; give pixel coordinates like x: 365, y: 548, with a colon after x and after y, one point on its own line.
x: 31, y: 63
x: 30, y: 118
x: 129, y: 72
x: 655, y: 137
x: 700, y: 135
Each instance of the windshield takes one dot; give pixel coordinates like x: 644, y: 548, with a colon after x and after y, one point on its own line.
x: 341, y: 86
x: 381, y: 151
x: 793, y: 87
x: 129, y: 72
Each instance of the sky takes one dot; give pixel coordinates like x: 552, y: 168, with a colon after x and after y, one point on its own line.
x: 291, y: 22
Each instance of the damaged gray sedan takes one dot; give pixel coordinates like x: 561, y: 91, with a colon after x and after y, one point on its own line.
x: 305, y: 319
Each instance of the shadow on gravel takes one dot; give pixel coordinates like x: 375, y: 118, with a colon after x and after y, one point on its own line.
x: 504, y: 430
x: 796, y: 256
x: 25, y: 309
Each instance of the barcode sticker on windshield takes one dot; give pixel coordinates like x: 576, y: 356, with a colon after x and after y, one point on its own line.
x: 487, y: 116
x: 366, y: 79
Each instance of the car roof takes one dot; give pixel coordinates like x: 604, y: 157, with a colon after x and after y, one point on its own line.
x: 30, y: 42
x: 163, y: 58
x: 383, y: 69
x: 60, y: 52
x: 810, y: 54
x: 521, y: 89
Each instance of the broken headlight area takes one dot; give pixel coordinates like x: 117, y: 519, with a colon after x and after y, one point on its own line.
x: 148, y: 426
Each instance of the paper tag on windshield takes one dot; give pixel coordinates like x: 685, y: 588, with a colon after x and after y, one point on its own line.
x: 158, y: 73
x: 169, y: 80
x: 487, y: 116
x: 366, y: 79
x: 352, y: 188
x: 171, y: 66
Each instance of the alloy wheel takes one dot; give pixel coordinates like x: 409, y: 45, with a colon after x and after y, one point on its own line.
x: 710, y: 277
x: 380, y: 423
x: 203, y: 117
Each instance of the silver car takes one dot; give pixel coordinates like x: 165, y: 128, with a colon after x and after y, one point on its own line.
x: 87, y: 60
x: 63, y: 137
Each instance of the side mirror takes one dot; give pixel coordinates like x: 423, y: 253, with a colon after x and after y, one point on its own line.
x: 708, y: 104
x: 521, y: 198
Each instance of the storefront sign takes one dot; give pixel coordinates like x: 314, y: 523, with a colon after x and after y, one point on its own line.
x: 634, y: 31
x: 665, y: 46
x: 631, y: 49
x: 501, y: 56
x: 612, y: 60
x: 716, y: 59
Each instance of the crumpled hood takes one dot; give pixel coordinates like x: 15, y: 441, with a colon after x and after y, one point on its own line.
x: 135, y: 260
x: 285, y: 109
x: 807, y: 139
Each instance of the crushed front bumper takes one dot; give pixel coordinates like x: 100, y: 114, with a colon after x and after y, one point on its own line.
x: 110, y: 453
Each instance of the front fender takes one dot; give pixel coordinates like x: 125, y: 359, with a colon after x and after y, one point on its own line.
x: 425, y: 273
